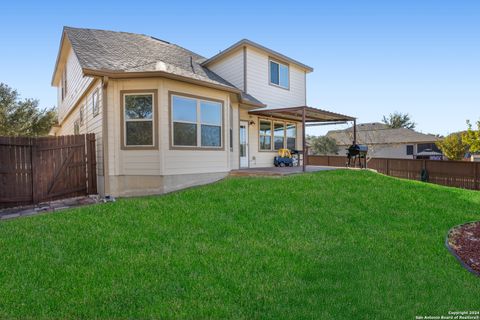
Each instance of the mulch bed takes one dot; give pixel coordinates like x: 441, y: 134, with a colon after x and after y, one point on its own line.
x: 464, y: 243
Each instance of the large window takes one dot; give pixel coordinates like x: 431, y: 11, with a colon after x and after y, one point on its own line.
x: 279, y: 74
x: 196, y: 122
x: 265, y: 135
x: 138, y: 117
x: 281, y: 135
x: 278, y: 135
x: 291, y: 136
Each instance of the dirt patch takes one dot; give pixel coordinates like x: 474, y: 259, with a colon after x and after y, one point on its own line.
x: 464, y: 243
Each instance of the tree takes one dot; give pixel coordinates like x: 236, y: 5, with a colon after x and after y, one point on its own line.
x: 323, y: 145
x: 399, y: 120
x: 23, y: 117
x: 471, y: 137
x: 452, y: 146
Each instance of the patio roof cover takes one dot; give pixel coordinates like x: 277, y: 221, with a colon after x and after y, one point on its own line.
x: 305, y: 115
x: 296, y: 114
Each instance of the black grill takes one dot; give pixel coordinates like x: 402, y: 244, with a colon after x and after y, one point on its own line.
x: 357, y: 152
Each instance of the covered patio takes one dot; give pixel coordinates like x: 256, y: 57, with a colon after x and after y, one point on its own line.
x: 308, y: 116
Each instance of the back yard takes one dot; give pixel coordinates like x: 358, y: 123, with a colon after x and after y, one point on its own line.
x: 338, y: 244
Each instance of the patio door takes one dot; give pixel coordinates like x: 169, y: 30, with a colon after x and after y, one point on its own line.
x: 243, y: 144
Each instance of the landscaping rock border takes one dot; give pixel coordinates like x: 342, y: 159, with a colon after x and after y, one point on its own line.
x: 452, y: 250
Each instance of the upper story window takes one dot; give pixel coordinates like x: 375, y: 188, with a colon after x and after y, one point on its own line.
x: 95, y: 103
x: 196, y: 122
x: 138, y: 120
x: 64, y: 83
x: 279, y: 74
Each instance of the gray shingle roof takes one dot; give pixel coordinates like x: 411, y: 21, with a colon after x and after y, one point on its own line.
x: 114, y: 51
x: 379, y: 133
x: 244, y: 42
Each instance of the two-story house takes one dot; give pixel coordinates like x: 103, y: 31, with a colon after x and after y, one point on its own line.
x: 166, y: 118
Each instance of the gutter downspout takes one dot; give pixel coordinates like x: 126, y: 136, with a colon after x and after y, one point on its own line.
x: 106, y: 175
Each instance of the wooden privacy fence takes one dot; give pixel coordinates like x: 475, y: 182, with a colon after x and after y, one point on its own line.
x: 34, y: 170
x: 460, y: 174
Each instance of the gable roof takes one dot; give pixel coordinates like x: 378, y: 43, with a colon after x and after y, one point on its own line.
x: 112, y: 53
x: 245, y: 42
x: 379, y: 133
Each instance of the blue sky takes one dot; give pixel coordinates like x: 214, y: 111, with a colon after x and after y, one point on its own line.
x: 370, y: 57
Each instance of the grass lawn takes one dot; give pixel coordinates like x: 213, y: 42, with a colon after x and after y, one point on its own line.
x: 328, y: 245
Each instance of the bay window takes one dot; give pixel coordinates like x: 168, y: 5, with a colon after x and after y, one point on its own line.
x: 196, y: 122
x: 138, y: 120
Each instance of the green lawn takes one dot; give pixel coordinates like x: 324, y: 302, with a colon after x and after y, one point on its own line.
x: 329, y: 245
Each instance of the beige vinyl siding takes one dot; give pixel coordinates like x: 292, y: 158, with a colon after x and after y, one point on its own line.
x: 257, y: 158
x: 163, y: 161
x: 230, y: 68
x: 91, y: 124
x: 258, y: 79
x: 76, y: 85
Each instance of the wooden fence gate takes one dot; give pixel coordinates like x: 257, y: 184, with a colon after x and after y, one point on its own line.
x: 34, y: 170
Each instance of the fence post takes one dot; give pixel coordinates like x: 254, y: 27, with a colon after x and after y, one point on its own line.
x: 476, y: 182
x: 388, y: 167
x: 34, y: 164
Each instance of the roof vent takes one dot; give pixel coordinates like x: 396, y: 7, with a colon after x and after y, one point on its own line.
x: 160, y: 66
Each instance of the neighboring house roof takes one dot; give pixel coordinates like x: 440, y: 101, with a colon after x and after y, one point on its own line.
x: 245, y: 42
x: 379, y: 133
x: 102, y: 52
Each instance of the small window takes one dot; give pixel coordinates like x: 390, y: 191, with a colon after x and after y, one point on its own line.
x: 278, y: 135
x: 82, y: 115
x: 291, y: 136
x: 76, y: 127
x: 409, y: 150
x: 196, y: 122
x: 138, y: 120
x: 279, y: 74
x: 64, y: 83
x: 95, y: 103
x: 265, y: 135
